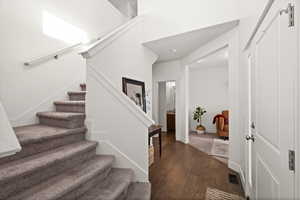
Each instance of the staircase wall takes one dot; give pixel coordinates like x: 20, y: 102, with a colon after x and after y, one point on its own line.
x: 113, y: 119
x: 25, y: 34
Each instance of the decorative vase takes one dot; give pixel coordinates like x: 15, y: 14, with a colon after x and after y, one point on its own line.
x: 200, y: 129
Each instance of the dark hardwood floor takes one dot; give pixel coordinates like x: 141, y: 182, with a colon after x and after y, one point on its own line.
x: 184, y: 173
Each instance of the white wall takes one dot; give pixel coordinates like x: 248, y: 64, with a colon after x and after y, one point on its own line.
x: 25, y: 90
x: 166, y: 71
x: 162, y: 104
x: 208, y: 87
x: 9, y: 143
x: 171, y: 95
x: 166, y: 101
x: 127, y: 57
x: 162, y: 72
x: 171, y: 17
x: 109, y: 119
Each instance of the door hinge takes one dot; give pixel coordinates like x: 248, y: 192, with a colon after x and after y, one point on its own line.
x: 292, y: 160
x: 290, y: 10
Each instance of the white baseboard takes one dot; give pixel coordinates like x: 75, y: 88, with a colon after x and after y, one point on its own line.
x: 9, y: 153
x: 237, y: 168
x: 122, y: 160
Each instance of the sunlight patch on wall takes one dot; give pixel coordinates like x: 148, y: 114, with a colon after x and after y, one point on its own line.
x: 57, y: 28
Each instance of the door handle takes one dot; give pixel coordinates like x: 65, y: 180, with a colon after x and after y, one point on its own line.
x: 250, y: 137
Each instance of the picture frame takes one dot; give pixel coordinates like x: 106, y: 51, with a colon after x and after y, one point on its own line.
x: 135, y: 90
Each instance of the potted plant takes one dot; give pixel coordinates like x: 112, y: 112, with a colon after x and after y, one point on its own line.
x: 198, y: 113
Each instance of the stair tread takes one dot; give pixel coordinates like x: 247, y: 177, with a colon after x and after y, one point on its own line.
x: 60, y: 115
x: 139, y: 191
x: 56, y: 187
x: 112, y: 187
x: 73, y: 103
x: 39, y: 161
x: 77, y: 92
x: 38, y: 133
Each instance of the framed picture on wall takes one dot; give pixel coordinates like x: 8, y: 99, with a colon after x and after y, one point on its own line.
x: 135, y: 90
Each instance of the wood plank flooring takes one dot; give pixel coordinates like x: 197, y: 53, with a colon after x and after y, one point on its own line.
x: 184, y: 173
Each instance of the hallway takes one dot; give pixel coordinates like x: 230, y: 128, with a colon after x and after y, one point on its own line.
x: 185, y: 173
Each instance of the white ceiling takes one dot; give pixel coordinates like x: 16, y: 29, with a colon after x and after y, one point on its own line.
x: 217, y: 59
x: 178, y: 46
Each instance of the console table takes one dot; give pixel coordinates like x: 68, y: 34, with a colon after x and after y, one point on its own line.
x: 155, y: 130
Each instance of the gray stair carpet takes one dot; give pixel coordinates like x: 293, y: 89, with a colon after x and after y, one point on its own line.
x: 139, y: 191
x: 77, y: 96
x: 62, y: 119
x: 57, y: 162
x: 39, y: 138
x: 113, y: 187
x: 59, y: 186
x: 70, y: 106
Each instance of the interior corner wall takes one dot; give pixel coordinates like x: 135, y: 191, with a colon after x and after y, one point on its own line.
x: 209, y: 89
x: 27, y: 90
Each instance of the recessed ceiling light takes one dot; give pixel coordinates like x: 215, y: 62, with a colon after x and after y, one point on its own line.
x: 174, y: 50
x: 226, y: 55
x: 200, y: 61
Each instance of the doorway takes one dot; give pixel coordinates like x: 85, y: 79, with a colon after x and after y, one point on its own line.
x: 167, y: 106
x: 209, y: 94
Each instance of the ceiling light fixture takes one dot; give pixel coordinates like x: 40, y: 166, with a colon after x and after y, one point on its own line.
x: 200, y: 61
x: 226, y: 55
x: 174, y: 50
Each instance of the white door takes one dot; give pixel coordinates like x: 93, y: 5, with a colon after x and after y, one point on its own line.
x: 275, y: 62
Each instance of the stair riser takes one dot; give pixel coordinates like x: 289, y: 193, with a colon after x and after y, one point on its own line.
x: 70, y: 124
x: 35, y: 148
x: 77, y: 97
x: 21, y: 183
x: 70, y: 108
x: 82, y: 189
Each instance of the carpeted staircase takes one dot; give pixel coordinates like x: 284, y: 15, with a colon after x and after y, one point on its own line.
x: 57, y: 163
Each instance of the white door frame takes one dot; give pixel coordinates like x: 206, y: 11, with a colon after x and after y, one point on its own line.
x: 187, y: 69
x: 247, y: 149
x: 297, y: 137
x: 231, y: 41
x: 156, y: 100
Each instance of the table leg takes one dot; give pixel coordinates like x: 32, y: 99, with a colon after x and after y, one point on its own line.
x: 160, y: 144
